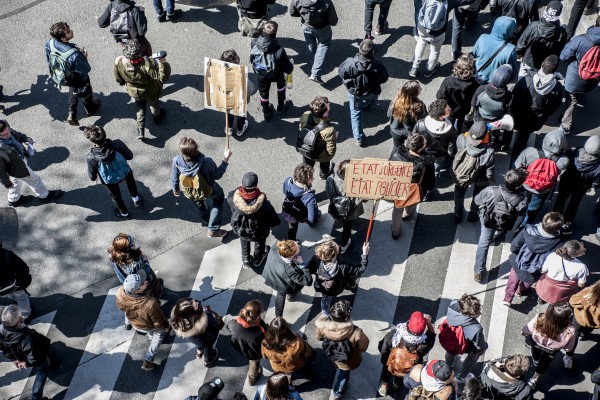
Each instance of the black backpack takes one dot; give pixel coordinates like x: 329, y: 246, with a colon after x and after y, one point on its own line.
x: 316, y: 15
x: 244, y: 226
x: 338, y: 350
x: 502, y: 215
x: 309, y: 142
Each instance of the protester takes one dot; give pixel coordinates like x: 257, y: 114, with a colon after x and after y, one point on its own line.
x: 382, y: 23
x: 300, y: 203
x: 278, y: 387
x: 430, y: 30
x: 117, y: 17
x: 405, y: 110
x: 252, y: 16
x: 14, y: 281
x: 504, y: 378
x: 241, y: 122
x: 432, y: 379
x: 209, y: 391
x: 465, y: 16
x: 523, y: 12
x: 252, y: 217
x: 493, y: 50
x: 285, y: 350
x: 170, y: 14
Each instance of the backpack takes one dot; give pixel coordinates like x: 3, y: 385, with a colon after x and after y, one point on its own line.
x: 114, y: 171
x: 401, y: 361
x: 244, y: 226
x: 293, y: 209
x: 315, y: 15
x: 432, y: 15
x: 263, y: 63
x: 420, y: 393
x: 342, y: 205
x: 502, y: 215
x: 589, y: 66
x: 465, y: 167
x: 61, y: 70
x: 121, y: 24
x: 338, y: 350
x: 543, y: 173
x: 309, y: 142
x: 452, y: 338
x: 195, y: 187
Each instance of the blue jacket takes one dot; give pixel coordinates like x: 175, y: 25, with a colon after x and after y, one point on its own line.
x: 572, y: 53
x: 202, y: 164
x: 80, y: 65
x: 290, y: 189
x: 487, y: 45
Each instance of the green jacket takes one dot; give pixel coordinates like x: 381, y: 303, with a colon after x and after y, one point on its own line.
x: 144, y: 80
x: 328, y: 135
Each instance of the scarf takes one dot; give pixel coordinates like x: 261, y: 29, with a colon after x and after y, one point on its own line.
x: 136, y: 60
x: 403, y: 333
x: 249, y: 194
x: 247, y: 325
x: 544, y: 83
x: 15, y: 144
x: 331, y: 267
x: 429, y: 382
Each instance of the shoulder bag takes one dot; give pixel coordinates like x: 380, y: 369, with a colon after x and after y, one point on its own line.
x: 415, y: 194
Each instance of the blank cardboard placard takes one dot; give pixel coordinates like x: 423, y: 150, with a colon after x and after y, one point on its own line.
x: 376, y: 179
x: 225, y: 86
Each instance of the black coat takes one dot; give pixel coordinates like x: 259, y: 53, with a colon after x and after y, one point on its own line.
x: 363, y: 75
x: 255, y: 9
x: 105, y: 153
x: 10, y: 162
x: 458, y: 93
x: 251, y: 219
x: 540, y: 40
x: 139, y: 17
x: 401, y: 129
x: 531, y: 109
x: 268, y: 44
x: 385, y: 346
x: 340, y: 279
x: 247, y: 340
x: 24, y: 344
x: 420, y: 163
x: 285, y: 277
x: 14, y: 273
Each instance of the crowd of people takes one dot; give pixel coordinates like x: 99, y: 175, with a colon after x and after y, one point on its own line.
x: 475, y: 116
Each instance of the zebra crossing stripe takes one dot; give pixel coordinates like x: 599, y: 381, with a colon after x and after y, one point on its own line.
x: 499, y: 316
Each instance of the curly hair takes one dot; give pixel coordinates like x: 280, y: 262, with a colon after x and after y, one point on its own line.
x: 469, y: 305
x: 95, y: 134
x: 406, y: 105
x: 59, y: 30
x: 464, y: 67
x: 437, y: 109
x: 416, y: 142
x: 278, y: 335
x: 303, y: 173
x: 251, y: 311
x: 327, y: 251
x: 287, y: 248
x: 124, y: 250
x: 319, y: 106
x: 184, y: 316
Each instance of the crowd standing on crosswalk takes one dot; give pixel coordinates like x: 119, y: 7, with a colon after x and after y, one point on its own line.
x: 475, y: 116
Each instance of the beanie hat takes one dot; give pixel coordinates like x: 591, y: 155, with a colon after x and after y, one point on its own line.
x: 477, y: 133
x: 501, y: 76
x: 134, y: 281
x: 132, y: 50
x: 553, y: 10
x: 417, y: 323
x: 439, y: 370
x: 211, y: 389
x: 250, y: 180
x: 592, y: 145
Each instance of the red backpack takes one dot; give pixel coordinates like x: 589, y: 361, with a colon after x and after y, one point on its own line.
x: 543, y: 173
x: 452, y: 338
x: 589, y: 66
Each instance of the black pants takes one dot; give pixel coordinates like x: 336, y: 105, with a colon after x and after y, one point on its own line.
x: 259, y: 247
x: 88, y: 102
x: 279, y: 304
x: 384, y: 9
x: 576, y: 13
x: 264, y: 86
x: 566, y: 191
x: 323, y: 166
x: 543, y: 357
x: 346, y: 231
x: 459, y: 198
x: 240, y: 121
x: 115, y: 192
x: 292, y: 230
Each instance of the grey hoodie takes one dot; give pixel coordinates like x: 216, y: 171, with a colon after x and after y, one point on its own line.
x: 471, y: 327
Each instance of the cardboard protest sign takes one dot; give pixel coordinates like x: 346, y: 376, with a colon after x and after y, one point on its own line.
x: 375, y: 179
x: 225, y: 86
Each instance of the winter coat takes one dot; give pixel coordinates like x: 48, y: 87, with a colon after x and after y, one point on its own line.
x: 140, y: 23
x: 205, y: 166
x: 292, y: 190
x: 295, y: 356
x: 532, y: 104
x: 458, y: 93
x: 21, y: 343
x: 440, y: 136
x: 471, y: 327
x: 11, y: 163
x: 255, y: 9
x: 488, y: 44
x: 572, y: 53
x: 583, y: 170
x: 566, y: 340
x: 420, y: 163
x: 586, y: 314
x: 105, y: 153
x: 246, y: 338
x: 385, y: 346
x: 487, y: 160
x: 79, y: 64
x: 530, y: 248
x: 539, y: 40
x: 486, y: 200
x: 415, y: 378
x: 328, y: 137
x: 285, y: 277
x: 268, y: 44
x: 204, y: 333
x: 143, y: 311
x: 303, y: 8
x: 497, y: 381
x: 338, y: 278
x: 14, y: 272
x: 363, y: 75
x: 338, y: 331
x: 523, y: 11
x: 490, y: 103
x: 334, y: 187
x: 554, y: 147
x: 144, y: 81
x: 252, y: 219
x: 401, y: 129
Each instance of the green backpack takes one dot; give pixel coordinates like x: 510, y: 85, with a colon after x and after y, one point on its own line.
x: 60, y: 68
x: 195, y: 187
x: 465, y: 167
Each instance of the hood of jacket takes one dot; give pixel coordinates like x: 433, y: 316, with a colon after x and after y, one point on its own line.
x: 10, y: 336
x: 437, y: 127
x: 267, y: 43
x: 537, y: 242
x: 365, y: 62
x: 503, y: 383
x: 290, y: 187
x: 198, y: 329
x: 105, y: 153
x: 585, y: 162
x: 122, y: 5
x: 336, y: 330
x: 548, y: 30
x: 131, y: 302
x: 593, y: 33
x: 554, y: 143
x: 455, y: 318
x: 246, y: 207
x: 503, y: 28
x: 189, y: 168
x: 475, y: 151
x: 495, y: 93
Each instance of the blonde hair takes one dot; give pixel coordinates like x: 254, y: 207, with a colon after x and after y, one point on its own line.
x: 327, y: 251
x: 287, y: 248
x: 251, y: 311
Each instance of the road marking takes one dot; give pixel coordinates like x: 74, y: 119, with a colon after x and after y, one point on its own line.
x: 499, y: 316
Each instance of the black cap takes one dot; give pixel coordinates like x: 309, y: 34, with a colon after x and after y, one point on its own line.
x: 250, y: 180
x: 477, y: 133
x: 211, y: 389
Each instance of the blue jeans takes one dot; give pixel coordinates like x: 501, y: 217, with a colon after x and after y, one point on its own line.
x: 340, y: 381
x: 417, y: 4
x: 156, y: 337
x: 458, y: 23
x: 41, y: 374
x: 362, y: 103
x: 213, y: 217
x: 325, y: 304
x: 485, y: 239
x: 536, y: 202
x: 384, y: 9
x: 318, y: 41
x: 158, y: 7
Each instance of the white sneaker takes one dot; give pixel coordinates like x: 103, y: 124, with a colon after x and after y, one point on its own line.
x: 244, y: 128
x: 344, y: 248
x: 568, y: 362
x: 506, y: 303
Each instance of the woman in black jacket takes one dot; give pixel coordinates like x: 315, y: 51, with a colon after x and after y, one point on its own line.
x: 422, y: 164
x: 247, y: 332
x: 405, y: 111
x: 332, y: 274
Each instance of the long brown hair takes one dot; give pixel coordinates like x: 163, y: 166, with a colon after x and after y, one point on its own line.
x: 554, y: 321
x: 407, y: 105
x: 279, y: 335
x: 593, y: 296
x: 184, y: 316
x: 123, y: 250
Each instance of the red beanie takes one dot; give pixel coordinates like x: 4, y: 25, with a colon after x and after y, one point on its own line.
x: 417, y: 323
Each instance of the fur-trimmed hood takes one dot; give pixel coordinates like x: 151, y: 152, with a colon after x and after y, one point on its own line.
x: 335, y: 330
x: 198, y: 329
x: 244, y: 206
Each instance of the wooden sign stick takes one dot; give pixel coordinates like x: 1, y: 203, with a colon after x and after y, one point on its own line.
x: 226, y: 129
x: 370, y: 229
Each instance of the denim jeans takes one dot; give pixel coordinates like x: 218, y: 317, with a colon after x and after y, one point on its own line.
x: 438, y: 163
x: 325, y: 304
x: 340, y: 381
x: 485, y: 239
x: 458, y: 23
x: 362, y: 103
x: 384, y: 9
x: 459, y: 198
x: 22, y: 299
x: 318, y: 41
x: 435, y: 44
x: 468, y: 363
x: 158, y: 7
x: 156, y: 337
x: 536, y: 202
x: 41, y: 375
x: 212, y: 217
